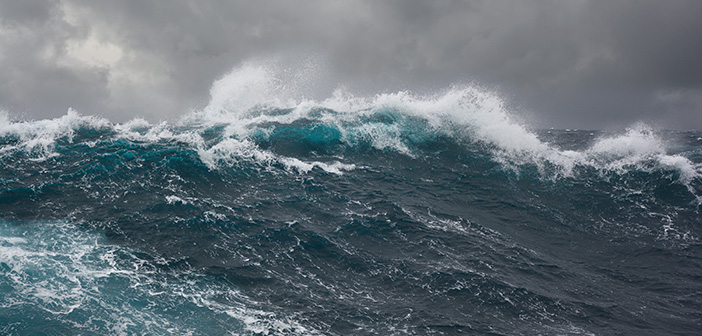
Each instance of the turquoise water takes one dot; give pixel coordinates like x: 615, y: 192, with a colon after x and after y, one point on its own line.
x: 391, y: 215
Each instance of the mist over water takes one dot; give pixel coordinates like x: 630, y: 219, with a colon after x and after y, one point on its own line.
x: 274, y: 211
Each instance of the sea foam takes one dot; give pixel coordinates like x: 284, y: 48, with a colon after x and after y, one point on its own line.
x: 253, y: 95
x: 61, y: 269
x: 257, y: 97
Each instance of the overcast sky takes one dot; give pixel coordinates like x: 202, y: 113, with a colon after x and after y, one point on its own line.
x: 576, y: 64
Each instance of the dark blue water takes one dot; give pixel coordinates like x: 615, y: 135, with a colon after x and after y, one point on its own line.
x: 402, y: 216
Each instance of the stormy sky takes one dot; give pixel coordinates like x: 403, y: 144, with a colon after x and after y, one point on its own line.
x: 575, y: 64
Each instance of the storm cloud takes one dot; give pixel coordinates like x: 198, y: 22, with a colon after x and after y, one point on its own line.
x: 578, y: 64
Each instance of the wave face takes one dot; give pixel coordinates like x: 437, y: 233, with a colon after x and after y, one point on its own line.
x: 266, y: 213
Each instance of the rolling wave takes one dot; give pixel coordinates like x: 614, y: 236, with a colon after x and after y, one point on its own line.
x: 248, y: 120
x: 397, y: 213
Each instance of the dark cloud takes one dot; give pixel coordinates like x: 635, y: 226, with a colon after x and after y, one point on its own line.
x: 26, y: 12
x: 574, y: 63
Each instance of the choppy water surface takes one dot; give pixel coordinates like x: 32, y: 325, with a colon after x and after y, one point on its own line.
x: 394, y: 214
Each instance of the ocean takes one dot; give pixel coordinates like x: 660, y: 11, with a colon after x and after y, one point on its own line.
x: 265, y: 213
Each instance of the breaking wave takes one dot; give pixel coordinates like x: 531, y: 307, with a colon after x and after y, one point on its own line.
x: 266, y: 212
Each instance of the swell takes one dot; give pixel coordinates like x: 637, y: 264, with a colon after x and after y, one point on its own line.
x: 258, y: 114
x: 313, y: 136
x: 395, y: 213
x: 427, y: 242
x: 139, y: 163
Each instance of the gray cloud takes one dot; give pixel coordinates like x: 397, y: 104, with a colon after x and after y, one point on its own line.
x: 574, y: 63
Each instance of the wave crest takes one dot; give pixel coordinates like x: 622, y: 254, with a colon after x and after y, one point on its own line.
x: 259, y: 103
x: 254, y: 100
